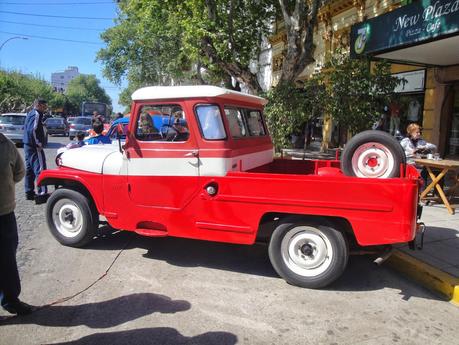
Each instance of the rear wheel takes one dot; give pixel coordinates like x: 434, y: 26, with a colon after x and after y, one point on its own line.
x: 373, y: 154
x: 308, y: 254
x: 70, y: 217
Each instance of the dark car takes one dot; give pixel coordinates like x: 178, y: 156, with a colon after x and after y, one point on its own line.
x: 81, y: 124
x: 57, y: 125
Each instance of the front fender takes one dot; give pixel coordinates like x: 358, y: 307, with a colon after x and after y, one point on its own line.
x: 91, y: 183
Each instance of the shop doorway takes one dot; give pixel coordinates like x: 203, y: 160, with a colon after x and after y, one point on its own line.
x: 452, y: 133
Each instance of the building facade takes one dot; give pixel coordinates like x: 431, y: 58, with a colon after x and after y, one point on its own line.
x: 429, y: 95
x: 60, y: 79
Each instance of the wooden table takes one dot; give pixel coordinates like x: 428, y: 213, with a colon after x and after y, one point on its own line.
x: 444, y: 165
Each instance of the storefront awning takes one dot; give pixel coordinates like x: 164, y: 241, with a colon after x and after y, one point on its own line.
x: 424, y: 33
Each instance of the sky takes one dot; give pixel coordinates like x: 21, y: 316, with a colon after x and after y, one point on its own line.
x: 60, y: 33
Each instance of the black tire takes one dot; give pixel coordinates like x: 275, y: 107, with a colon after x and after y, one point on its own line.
x: 295, y: 245
x: 372, y: 154
x: 71, y: 218
x: 70, y: 137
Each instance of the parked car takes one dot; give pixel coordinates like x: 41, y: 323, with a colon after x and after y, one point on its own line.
x: 113, y: 131
x: 70, y: 120
x: 12, y: 126
x: 81, y: 124
x: 57, y: 125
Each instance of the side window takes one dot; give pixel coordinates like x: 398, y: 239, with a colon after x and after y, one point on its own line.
x: 255, y: 123
x: 237, y: 127
x: 211, y: 123
x: 165, y: 122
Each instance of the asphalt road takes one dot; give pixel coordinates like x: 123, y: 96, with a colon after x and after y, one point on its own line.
x: 176, y: 291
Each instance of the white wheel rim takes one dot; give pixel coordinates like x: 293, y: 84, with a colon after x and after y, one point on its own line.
x: 306, y: 251
x: 373, y: 160
x: 67, y: 218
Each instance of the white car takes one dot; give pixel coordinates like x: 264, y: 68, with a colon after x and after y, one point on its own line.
x: 12, y: 126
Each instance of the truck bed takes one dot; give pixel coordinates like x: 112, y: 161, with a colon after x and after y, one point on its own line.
x: 296, y: 167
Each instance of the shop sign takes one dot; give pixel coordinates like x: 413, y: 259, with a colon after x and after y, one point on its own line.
x: 412, y: 81
x: 405, y: 26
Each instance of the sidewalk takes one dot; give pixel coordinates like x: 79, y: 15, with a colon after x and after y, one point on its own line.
x: 436, y: 266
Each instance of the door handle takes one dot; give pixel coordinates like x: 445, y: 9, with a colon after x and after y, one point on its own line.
x: 194, y: 153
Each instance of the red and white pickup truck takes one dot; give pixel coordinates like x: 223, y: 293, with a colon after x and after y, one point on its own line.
x: 198, y: 163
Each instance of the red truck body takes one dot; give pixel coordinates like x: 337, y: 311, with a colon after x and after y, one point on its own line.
x: 229, y: 189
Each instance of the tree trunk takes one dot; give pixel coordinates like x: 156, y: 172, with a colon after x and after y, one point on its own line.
x: 241, y: 73
x: 299, y: 26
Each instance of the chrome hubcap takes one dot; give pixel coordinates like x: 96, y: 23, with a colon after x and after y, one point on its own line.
x: 306, y: 251
x: 67, y: 218
x: 372, y: 160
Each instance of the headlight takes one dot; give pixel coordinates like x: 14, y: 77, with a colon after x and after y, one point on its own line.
x: 58, y: 159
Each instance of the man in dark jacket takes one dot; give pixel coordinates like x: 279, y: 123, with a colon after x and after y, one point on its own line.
x: 34, y: 139
x: 11, y: 172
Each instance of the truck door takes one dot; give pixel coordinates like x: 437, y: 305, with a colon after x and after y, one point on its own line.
x: 163, y: 165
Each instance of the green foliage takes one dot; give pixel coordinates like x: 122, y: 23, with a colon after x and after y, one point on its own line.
x: 18, y: 91
x: 290, y: 107
x: 192, y: 41
x: 356, y: 94
x: 84, y: 88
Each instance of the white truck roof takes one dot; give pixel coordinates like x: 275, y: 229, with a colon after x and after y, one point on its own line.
x: 192, y: 91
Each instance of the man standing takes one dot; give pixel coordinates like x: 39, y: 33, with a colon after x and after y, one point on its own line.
x: 11, y: 172
x: 34, y: 139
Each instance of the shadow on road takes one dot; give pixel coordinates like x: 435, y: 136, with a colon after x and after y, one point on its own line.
x: 104, y: 314
x: 53, y: 145
x: 360, y: 275
x: 150, y: 336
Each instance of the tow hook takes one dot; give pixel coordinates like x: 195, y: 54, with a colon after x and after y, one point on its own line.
x: 421, y: 230
x: 384, y: 255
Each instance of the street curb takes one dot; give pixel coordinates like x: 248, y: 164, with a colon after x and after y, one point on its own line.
x: 430, y: 277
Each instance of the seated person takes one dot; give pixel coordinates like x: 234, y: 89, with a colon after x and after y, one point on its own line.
x: 180, y: 127
x: 74, y: 144
x: 146, y: 130
x: 99, y: 138
x: 414, y: 145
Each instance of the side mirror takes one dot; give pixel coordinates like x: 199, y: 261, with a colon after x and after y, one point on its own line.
x: 119, y: 130
x: 119, y: 134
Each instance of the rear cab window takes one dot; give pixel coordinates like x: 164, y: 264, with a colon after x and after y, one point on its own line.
x: 244, y: 123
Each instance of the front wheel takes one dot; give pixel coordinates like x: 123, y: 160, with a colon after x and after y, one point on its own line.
x: 308, y: 254
x: 70, y: 217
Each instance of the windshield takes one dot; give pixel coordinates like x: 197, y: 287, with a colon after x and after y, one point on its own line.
x: 82, y: 121
x: 54, y: 121
x: 90, y: 108
x: 12, y: 119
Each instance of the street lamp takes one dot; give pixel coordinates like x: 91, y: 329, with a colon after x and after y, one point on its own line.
x: 13, y: 38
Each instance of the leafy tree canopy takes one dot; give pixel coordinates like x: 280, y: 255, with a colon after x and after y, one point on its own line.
x: 172, y: 42
x: 85, y: 88
x: 18, y: 91
x: 356, y: 93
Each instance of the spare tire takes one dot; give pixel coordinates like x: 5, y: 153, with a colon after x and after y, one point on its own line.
x: 373, y: 154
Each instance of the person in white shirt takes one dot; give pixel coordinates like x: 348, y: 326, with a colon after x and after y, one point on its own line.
x: 414, y: 145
